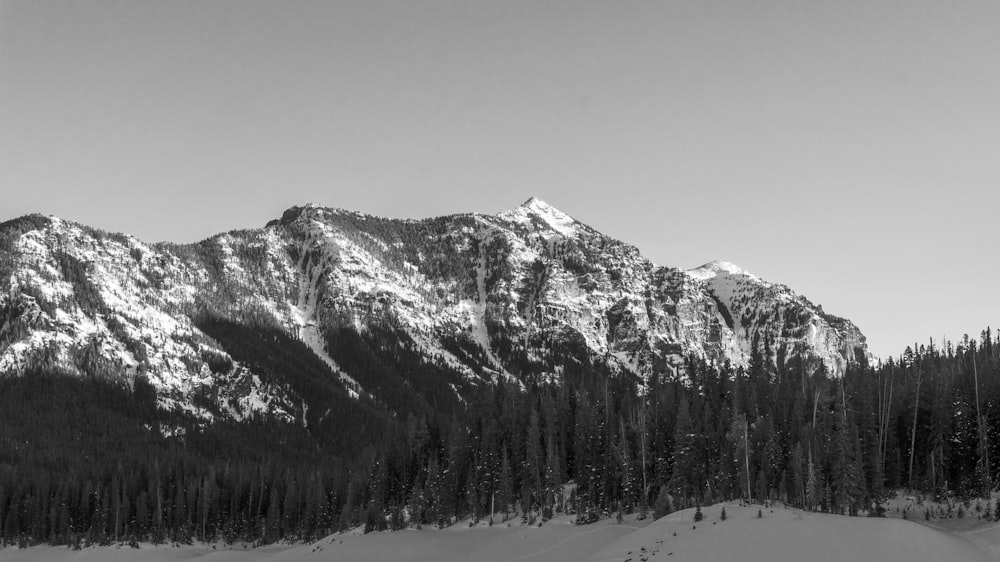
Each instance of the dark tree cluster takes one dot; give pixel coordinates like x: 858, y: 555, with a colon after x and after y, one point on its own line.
x: 84, y: 460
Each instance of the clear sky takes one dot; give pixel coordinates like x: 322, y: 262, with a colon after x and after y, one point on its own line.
x: 850, y: 150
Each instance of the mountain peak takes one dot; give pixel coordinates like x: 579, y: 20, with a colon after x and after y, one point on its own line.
x: 534, y: 209
x: 535, y: 203
x: 718, y: 267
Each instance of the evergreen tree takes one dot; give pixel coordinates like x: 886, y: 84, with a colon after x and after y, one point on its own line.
x: 662, y: 506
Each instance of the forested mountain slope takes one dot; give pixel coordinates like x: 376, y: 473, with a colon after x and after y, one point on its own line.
x: 334, y: 369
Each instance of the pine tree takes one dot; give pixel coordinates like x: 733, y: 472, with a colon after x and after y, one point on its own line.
x: 662, y: 505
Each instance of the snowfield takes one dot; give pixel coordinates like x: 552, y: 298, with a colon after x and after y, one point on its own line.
x: 786, y: 535
x: 779, y: 535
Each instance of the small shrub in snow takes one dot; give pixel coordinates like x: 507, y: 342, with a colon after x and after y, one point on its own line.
x: 662, y: 506
x: 587, y: 515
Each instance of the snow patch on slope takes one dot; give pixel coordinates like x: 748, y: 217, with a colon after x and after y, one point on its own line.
x: 304, y: 312
x: 479, y: 332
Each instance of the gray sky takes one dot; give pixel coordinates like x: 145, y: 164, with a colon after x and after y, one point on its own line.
x: 850, y: 150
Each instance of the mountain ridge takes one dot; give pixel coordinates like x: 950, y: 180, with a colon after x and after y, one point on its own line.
x: 519, y: 295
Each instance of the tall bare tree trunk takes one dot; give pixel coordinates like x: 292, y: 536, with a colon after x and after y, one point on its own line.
x: 815, y: 407
x: 885, y: 430
x: 642, y: 438
x: 118, y: 508
x: 885, y: 406
x: 984, y: 450
x: 812, y: 434
x: 159, y: 511
x: 843, y: 398
x: 746, y: 449
x: 881, y: 415
x: 913, y: 433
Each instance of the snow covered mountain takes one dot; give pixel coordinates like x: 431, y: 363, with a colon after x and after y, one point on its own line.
x: 454, y: 301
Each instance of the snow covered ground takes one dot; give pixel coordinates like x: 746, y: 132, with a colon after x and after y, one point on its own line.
x: 970, y: 520
x: 779, y: 535
x: 790, y: 535
x: 556, y: 540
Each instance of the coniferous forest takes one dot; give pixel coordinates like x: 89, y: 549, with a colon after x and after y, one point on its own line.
x: 92, y: 461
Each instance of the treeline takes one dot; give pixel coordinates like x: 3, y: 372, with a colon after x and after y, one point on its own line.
x: 85, y: 461
x: 930, y: 421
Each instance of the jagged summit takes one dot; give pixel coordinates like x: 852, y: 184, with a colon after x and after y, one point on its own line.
x: 534, y: 211
x: 535, y: 203
x: 311, y: 209
x: 539, y: 207
x: 717, y: 267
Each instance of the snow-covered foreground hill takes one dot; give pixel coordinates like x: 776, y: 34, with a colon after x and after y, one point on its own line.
x: 791, y: 535
x: 779, y: 535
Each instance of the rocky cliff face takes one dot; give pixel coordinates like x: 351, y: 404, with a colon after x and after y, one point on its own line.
x: 526, y: 293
